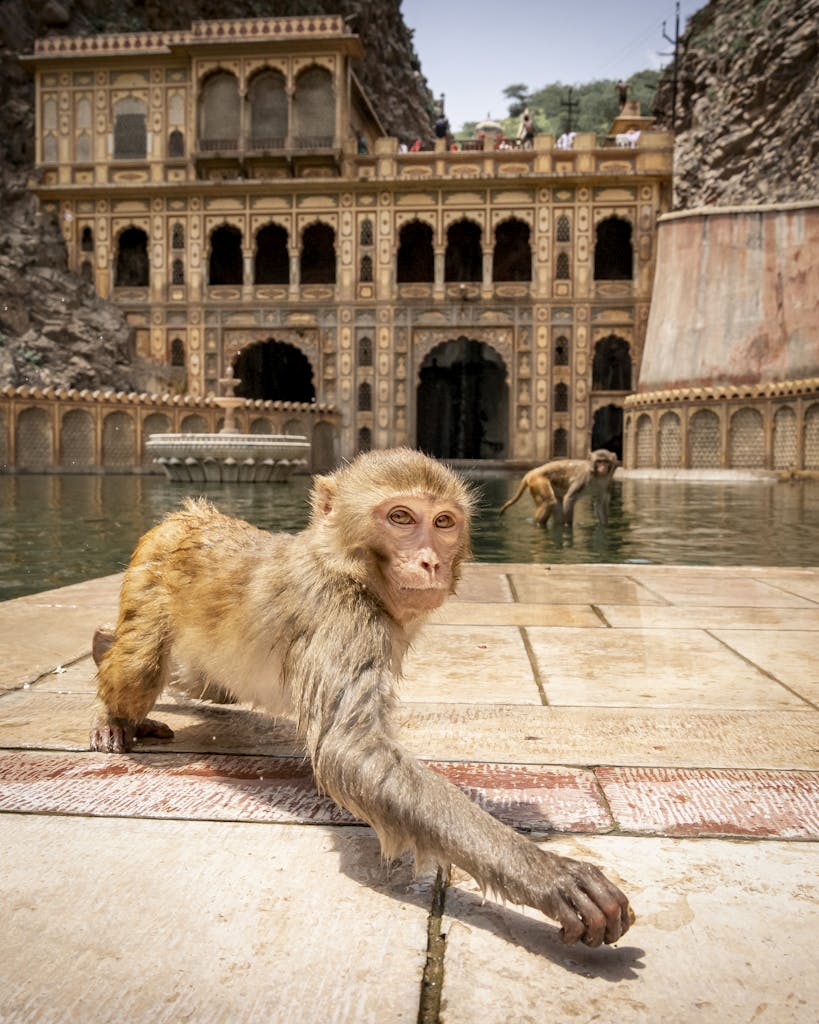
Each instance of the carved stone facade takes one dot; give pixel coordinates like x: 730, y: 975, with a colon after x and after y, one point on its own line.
x: 192, y: 192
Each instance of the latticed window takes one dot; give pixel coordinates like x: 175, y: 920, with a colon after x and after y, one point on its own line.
x: 561, y: 351
x: 784, y: 438
x: 118, y: 440
x: 812, y: 438
x: 176, y: 143
x: 562, y: 266
x: 87, y: 240
x: 747, y: 440
x: 366, y: 236
x: 268, y: 110
x: 130, y: 132
x: 154, y: 423
x: 560, y: 444
x: 365, y: 439
x: 366, y: 270
x: 178, y: 272
x: 365, y: 352
x: 314, y: 109
x: 564, y: 231
x: 177, y: 352
x: 645, y: 442
x: 34, y: 439
x: 365, y: 397
x: 77, y: 440
x: 178, y: 237
x: 670, y: 441
x: 219, y: 112
x: 561, y: 398
x: 704, y: 440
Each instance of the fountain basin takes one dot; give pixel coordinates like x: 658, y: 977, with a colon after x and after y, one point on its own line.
x: 231, y: 458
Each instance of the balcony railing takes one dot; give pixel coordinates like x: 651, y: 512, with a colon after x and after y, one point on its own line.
x: 263, y: 142
x: 218, y: 145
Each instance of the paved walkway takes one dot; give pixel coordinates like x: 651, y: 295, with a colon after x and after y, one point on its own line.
x: 659, y: 721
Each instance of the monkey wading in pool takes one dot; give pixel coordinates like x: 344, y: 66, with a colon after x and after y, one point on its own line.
x: 315, y: 625
x: 556, y: 486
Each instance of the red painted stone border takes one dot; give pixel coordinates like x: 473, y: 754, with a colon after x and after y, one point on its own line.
x: 536, y: 798
x: 756, y: 803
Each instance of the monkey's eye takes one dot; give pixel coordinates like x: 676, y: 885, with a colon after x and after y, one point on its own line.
x: 445, y: 521
x: 401, y: 517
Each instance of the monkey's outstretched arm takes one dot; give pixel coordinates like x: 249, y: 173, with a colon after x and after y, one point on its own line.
x: 412, y: 808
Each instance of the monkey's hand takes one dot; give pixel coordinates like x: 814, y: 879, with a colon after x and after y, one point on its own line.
x: 112, y: 735
x: 588, y: 907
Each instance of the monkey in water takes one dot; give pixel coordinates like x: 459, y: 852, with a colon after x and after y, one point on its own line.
x: 556, y: 486
x: 315, y: 626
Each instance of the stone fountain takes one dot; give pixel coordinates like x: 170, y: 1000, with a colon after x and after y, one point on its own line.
x: 229, y: 456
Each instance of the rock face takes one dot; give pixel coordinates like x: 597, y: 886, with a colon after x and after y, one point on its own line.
x: 747, y: 104
x: 53, y: 329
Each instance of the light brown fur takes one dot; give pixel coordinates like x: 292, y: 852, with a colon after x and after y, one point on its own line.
x: 556, y: 486
x: 316, y: 626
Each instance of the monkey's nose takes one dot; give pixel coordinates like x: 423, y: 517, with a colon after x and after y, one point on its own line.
x: 429, y: 562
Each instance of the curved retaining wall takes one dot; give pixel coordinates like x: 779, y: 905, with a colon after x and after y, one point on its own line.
x: 730, y: 372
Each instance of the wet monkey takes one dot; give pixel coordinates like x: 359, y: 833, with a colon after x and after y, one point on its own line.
x: 556, y: 486
x: 315, y: 625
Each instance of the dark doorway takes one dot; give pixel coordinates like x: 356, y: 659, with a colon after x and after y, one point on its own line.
x: 276, y: 371
x: 611, y: 369
x: 613, y: 258
x: 464, y: 257
x: 226, y: 264
x: 132, y: 270
x: 512, y: 258
x: 463, y: 402
x: 272, y: 264
x: 607, y: 430
x: 318, y: 255
x: 416, y: 258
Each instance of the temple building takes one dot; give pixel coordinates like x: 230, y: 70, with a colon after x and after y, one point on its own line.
x: 231, y: 189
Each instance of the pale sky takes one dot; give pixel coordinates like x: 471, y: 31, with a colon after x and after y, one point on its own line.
x: 470, y: 50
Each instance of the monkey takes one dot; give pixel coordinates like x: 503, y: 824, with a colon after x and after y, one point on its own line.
x: 315, y: 626
x: 556, y: 486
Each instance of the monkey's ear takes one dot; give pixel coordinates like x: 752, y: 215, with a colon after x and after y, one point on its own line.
x: 323, y: 498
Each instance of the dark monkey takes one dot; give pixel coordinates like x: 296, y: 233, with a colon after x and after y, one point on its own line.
x: 316, y: 625
x: 558, y: 485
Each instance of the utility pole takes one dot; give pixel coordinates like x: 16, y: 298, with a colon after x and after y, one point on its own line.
x: 570, y: 105
x: 675, y: 42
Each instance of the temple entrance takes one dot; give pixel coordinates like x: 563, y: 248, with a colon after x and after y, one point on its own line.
x: 463, y: 402
x: 275, y: 371
x: 607, y: 430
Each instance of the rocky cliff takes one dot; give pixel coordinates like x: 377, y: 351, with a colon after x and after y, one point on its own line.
x: 747, y: 104
x: 53, y: 329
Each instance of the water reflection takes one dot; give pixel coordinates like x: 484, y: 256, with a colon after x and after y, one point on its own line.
x: 56, y: 530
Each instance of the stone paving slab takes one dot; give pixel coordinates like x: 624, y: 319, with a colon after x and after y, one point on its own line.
x: 725, y: 934
x: 690, y: 588
x: 577, y: 588
x: 676, y: 617
x: 650, y: 667
x: 791, y: 657
x: 157, y: 922
x: 462, y: 613
x: 522, y: 734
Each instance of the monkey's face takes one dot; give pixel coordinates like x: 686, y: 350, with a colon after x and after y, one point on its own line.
x: 420, y: 542
x: 602, y: 467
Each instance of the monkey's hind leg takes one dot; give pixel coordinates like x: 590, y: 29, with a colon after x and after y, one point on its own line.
x: 132, y: 670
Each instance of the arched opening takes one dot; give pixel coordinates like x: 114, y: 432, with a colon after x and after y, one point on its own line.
x: 132, y: 268
x: 512, y: 257
x: 562, y: 269
x: 225, y: 265
x: 463, y: 402
x: 268, y: 110
x: 561, y: 351
x: 318, y: 255
x: 365, y: 236
x: 560, y: 443
x: 564, y: 231
x: 416, y: 259
x: 219, y: 112
x: 314, y: 109
x: 176, y: 143
x: 464, y: 259
x: 365, y: 351
x: 130, y: 133
x: 613, y: 257
x: 365, y: 439
x: 177, y: 352
x: 365, y: 270
x: 178, y: 236
x: 607, y: 429
x: 177, y: 272
x: 275, y: 371
x: 272, y: 261
x: 87, y: 240
x: 704, y: 440
x: 611, y: 368
x: 561, y: 397
x: 365, y: 397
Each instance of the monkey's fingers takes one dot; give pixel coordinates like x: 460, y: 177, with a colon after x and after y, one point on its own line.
x: 151, y: 727
x: 111, y: 738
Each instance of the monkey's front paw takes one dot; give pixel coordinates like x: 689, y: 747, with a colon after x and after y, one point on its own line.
x: 588, y: 906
